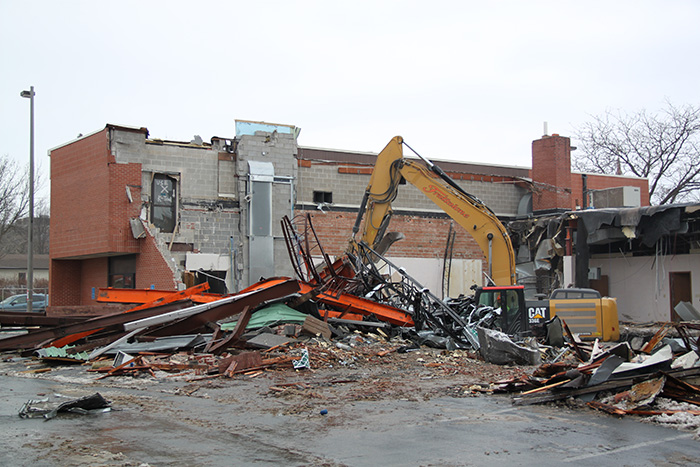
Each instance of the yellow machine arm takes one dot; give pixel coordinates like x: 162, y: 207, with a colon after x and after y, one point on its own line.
x: 467, y: 210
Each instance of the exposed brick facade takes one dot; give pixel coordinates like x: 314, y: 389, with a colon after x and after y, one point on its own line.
x: 102, y: 181
x: 90, y: 219
x: 551, y: 173
x: 426, y: 235
x: 602, y: 182
x: 555, y: 187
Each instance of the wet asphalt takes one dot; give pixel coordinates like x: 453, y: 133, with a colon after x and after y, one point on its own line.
x: 165, y: 428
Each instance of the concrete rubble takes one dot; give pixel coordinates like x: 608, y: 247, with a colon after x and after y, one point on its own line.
x: 281, y: 326
x: 361, y: 311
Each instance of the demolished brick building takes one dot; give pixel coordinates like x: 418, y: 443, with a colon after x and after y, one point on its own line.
x: 129, y: 210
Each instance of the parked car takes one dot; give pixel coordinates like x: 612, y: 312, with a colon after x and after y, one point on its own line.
x: 19, y: 303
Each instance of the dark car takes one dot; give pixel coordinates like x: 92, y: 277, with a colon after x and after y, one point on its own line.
x: 19, y: 303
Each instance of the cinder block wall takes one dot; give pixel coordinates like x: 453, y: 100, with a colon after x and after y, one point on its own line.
x: 348, y: 183
x: 280, y: 149
x: 207, y: 219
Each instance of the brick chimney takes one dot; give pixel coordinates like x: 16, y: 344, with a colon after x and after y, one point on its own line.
x: 551, y: 174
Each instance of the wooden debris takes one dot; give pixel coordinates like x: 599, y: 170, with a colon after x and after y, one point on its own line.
x: 315, y: 327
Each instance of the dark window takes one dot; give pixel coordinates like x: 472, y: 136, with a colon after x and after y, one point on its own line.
x: 323, y: 197
x: 122, y: 272
x: 164, y: 202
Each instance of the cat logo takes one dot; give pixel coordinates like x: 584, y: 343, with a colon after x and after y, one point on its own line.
x: 536, y: 313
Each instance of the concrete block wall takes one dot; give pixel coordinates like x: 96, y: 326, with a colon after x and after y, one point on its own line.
x: 207, y: 220
x: 280, y: 149
x: 501, y: 196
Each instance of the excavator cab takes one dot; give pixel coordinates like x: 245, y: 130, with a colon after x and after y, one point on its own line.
x: 511, y: 301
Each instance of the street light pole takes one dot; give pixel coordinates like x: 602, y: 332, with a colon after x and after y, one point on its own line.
x: 30, y: 234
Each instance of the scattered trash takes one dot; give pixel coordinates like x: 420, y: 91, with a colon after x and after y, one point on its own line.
x: 362, y: 309
x: 303, y: 362
x: 83, y: 406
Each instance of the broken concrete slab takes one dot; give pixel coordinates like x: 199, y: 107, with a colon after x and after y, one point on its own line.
x: 496, y: 347
x: 687, y: 312
x: 267, y: 340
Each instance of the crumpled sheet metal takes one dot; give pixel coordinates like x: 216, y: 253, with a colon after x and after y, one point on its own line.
x: 84, y: 405
x: 497, y: 347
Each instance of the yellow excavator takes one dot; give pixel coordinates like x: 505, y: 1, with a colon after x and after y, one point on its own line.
x: 467, y: 210
x: 481, y: 223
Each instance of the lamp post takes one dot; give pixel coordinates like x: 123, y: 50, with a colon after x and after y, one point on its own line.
x: 30, y: 234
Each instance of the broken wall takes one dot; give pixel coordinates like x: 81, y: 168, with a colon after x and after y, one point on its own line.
x: 207, y: 210
x: 424, y: 225
x: 90, y: 213
x: 347, y: 184
x: 641, y: 284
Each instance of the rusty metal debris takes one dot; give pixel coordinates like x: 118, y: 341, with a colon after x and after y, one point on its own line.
x: 361, y: 308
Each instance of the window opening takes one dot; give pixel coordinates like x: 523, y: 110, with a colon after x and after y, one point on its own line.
x: 122, y: 272
x: 323, y: 197
x: 164, y: 202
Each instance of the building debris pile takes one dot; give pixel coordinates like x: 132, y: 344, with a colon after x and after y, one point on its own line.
x: 361, y: 308
x: 656, y: 378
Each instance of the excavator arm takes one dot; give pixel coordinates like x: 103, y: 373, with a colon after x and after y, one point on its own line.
x: 467, y: 210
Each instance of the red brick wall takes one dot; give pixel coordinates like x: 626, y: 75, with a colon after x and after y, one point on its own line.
x: 90, y: 213
x: 425, y: 237
x: 557, y: 188
x: 121, y: 210
x: 94, y: 275
x: 64, y: 282
x: 79, y: 195
x: 89, y: 208
x: 600, y: 182
x: 551, y: 173
x: 151, y: 268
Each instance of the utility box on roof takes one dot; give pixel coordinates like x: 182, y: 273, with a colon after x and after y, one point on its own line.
x: 620, y: 197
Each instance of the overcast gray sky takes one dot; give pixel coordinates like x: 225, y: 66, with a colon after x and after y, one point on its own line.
x: 459, y: 80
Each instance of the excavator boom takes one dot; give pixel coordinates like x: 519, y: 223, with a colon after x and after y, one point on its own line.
x: 467, y: 210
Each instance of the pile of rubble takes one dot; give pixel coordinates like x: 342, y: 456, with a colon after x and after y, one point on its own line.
x: 363, y: 309
x: 655, y: 378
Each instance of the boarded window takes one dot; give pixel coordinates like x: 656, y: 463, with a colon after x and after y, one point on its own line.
x: 164, y: 202
x: 122, y: 272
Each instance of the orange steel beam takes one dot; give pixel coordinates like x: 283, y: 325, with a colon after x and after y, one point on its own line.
x: 362, y: 306
x: 149, y: 296
x: 264, y: 284
x: 163, y: 300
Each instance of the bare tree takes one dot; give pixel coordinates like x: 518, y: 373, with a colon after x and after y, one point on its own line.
x: 14, y: 197
x: 663, y: 148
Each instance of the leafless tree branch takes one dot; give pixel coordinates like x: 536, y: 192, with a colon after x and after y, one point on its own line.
x: 662, y: 148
